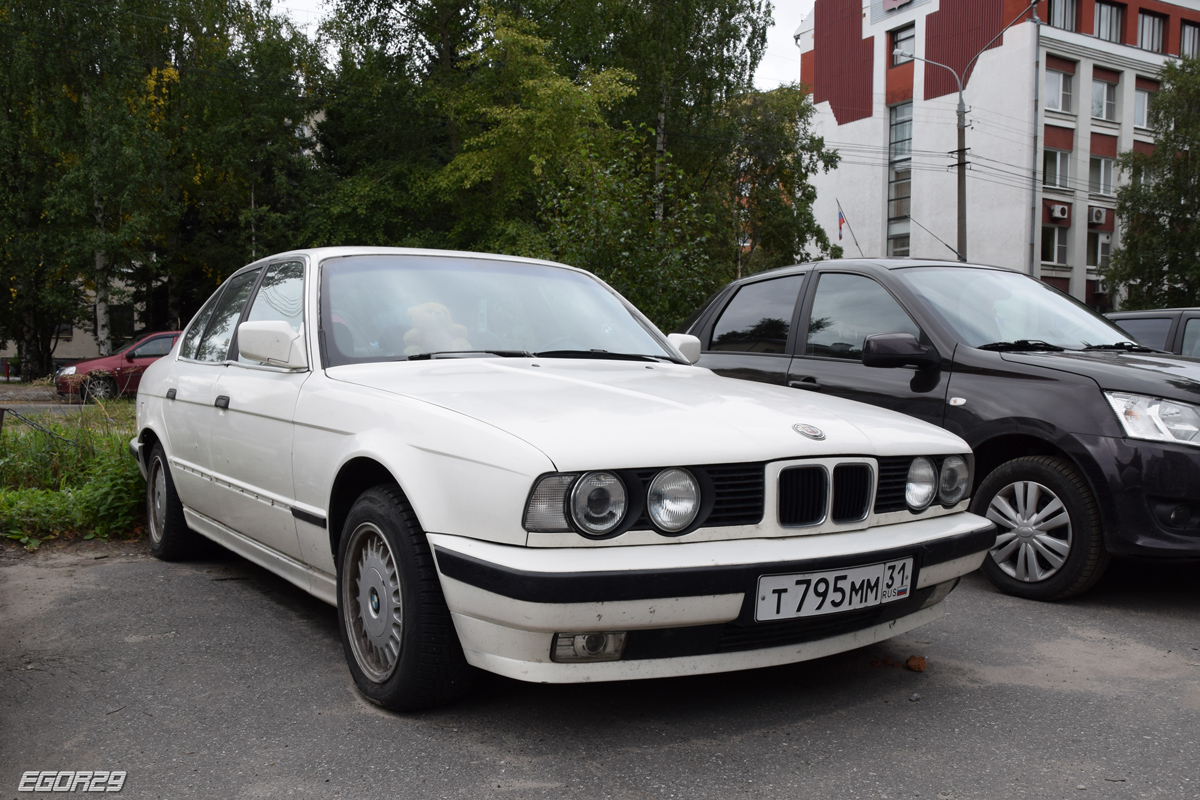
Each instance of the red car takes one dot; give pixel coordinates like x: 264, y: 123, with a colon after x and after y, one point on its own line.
x: 116, y: 374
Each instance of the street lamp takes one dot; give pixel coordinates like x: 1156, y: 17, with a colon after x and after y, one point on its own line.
x: 962, y: 122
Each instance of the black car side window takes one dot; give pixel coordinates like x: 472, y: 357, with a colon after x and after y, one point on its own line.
x: 153, y: 348
x: 1191, y: 339
x: 758, y: 318
x: 848, y: 309
x: 215, y: 344
x: 1150, y: 331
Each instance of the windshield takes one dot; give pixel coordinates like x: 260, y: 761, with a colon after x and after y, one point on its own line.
x: 398, y: 307
x: 985, y: 306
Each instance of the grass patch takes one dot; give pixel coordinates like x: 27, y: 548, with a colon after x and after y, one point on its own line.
x: 76, y: 478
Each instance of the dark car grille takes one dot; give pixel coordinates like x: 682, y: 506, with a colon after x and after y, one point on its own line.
x: 893, y: 477
x: 803, y: 495
x: 851, y: 492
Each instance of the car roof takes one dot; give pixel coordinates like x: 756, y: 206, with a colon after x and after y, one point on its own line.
x: 880, y: 263
x: 1147, y: 312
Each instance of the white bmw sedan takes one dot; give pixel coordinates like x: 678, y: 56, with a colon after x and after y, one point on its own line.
x: 495, y: 463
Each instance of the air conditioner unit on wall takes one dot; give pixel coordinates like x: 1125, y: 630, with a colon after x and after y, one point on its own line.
x: 1098, y: 215
x: 1059, y: 211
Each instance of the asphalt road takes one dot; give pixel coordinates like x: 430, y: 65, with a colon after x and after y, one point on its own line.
x: 215, y: 679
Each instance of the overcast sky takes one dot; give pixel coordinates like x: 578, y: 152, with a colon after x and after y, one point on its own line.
x: 781, y: 64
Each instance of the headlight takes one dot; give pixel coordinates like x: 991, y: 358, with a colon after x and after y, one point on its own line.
x: 955, y: 480
x: 922, y: 483
x: 598, y: 503
x: 66, y: 371
x: 1155, y: 419
x: 673, y: 499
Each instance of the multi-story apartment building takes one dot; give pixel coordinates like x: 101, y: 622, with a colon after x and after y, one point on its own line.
x: 1051, y: 100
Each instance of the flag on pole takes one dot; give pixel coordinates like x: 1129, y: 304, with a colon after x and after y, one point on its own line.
x: 841, y: 222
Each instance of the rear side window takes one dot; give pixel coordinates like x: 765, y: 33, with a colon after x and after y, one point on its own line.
x: 758, y: 318
x: 1149, y: 331
x: 848, y: 309
x: 214, y: 347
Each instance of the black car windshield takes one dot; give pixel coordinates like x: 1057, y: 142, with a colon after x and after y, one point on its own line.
x: 402, y: 307
x: 1006, y: 309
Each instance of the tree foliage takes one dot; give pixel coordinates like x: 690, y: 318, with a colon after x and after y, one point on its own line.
x: 1158, y: 261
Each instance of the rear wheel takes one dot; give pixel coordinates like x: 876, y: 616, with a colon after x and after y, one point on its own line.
x: 1050, y: 544
x: 170, y: 537
x: 396, y: 630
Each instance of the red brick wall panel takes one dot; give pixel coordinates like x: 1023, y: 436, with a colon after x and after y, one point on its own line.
x: 844, y: 62
x: 900, y: 83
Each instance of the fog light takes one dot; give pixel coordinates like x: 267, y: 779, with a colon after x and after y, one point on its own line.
x: 939, y: 593
x: 1180, y: 515
x: 594, y: 646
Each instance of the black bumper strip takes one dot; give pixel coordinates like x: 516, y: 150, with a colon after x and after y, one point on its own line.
x: 311, y: 519
x: 598, y: 587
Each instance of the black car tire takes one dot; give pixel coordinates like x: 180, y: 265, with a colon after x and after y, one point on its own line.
x: 99, y: 389
x: 170, y: 537
x: 396, y: 630
x: 1061, y: 532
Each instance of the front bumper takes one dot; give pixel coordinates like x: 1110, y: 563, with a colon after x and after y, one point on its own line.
x: 686, y: 608
x: 1134, y: 482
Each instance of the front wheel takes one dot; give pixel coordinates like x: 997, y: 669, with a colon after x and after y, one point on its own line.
x: 1050, y: 545
x: 99, y: 389
x: 396, y: 630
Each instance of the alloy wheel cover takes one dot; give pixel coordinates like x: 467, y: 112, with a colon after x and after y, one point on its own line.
x: 1035, y: 531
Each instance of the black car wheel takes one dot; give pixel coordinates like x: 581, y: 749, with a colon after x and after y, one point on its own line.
x: 1050, y: 544
x: 170, y: 537
x: 396, y: 630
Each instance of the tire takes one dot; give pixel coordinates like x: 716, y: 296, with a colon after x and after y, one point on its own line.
x: 1050, y: 544
x: 170, y: 537
x: 99, y: 389
x: 396, y: 630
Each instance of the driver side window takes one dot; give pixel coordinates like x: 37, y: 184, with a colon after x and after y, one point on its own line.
x: 846, y: 310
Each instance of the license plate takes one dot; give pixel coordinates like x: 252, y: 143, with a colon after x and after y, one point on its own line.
x: 811, y: 594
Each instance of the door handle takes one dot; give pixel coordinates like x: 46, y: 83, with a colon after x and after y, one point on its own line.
x: 810, y: 383
x: 222, y: 402
x: 170, y: 394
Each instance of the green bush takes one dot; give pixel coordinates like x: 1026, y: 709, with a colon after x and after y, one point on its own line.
x: 74, y: 477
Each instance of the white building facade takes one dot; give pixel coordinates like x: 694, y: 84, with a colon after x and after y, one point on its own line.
x: 1050, y: 104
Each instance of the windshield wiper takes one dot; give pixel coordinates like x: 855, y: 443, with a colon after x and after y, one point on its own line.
x: 600, y: 354
x: 1022, y: 344
x: 458, y: 353
x: 1127, y: 346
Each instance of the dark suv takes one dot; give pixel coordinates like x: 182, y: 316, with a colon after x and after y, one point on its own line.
x: 1086, y: 444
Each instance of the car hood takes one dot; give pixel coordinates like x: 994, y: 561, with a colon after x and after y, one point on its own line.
x: 1157, y: 374
x: 584, y: 414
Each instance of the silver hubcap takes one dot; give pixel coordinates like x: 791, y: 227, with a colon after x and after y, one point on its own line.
x: 371, y: 603
x: 158, y: 499
x: 1035, y: 531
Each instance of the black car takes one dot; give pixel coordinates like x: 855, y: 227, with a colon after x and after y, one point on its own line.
x: 1086, y: 444
x: 1176, y: 330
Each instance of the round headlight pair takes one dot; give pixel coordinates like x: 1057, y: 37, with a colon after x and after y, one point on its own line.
x: 599, y: 502
x: 924, y: 482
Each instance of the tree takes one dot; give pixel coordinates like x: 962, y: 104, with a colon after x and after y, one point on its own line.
x: 1158, y: 261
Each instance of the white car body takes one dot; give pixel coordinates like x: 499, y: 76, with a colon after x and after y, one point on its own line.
x: 271, y: 476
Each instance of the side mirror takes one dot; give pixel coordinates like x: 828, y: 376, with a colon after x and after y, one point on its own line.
x: 687, y: 345
x: 273, y: 343
x: 898, y: 350
x: 129, y: 356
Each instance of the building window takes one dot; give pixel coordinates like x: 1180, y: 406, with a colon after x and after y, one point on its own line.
x: 1150, y: 31
x: 1189, y: 40
x: 904, y: 39
x: 1055, y: 169
x: 1062, y: 14
x: 1058, y: 91
x: 1141, y: 108
x: 899, y: 179
x: 64, y: 331
x: 1100, y: 175
x: 1099, y: 249
x: 1054, y: 244
x: 1104, y: 100
x: 1109, y: 21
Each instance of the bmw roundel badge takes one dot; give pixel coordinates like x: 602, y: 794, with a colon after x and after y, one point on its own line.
x: 811, y: 431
